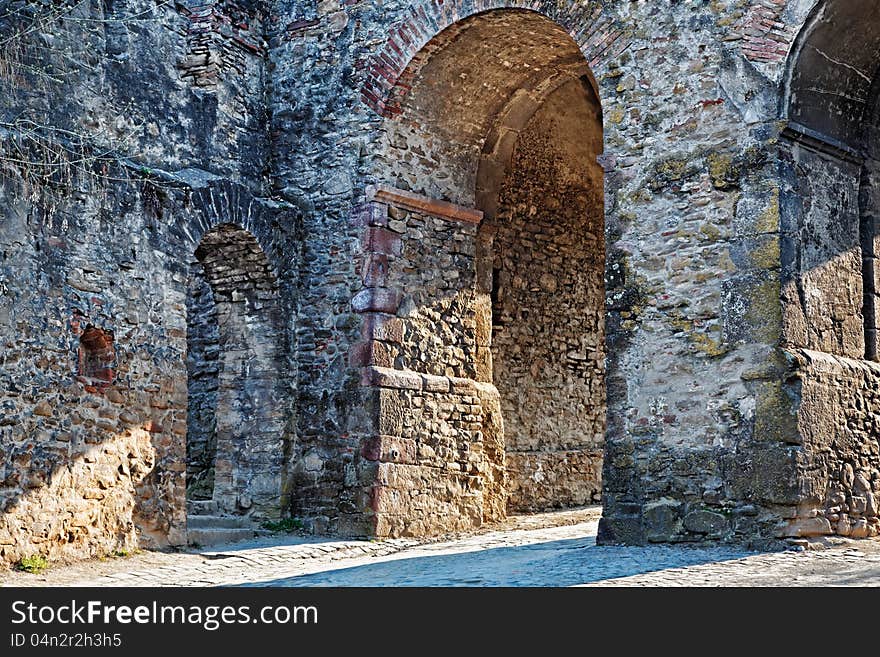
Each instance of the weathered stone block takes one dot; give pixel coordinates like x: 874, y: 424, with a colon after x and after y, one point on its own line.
x: 376, y: 300
x: 662, y: 520
x: 706, y: 522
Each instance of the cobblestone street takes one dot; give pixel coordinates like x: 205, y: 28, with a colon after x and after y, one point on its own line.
x: 556, y: 549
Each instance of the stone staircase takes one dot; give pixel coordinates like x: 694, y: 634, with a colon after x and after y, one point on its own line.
x: 206, y: 526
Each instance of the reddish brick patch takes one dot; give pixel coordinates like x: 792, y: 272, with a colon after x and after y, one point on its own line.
x: 97, y: 357
x: 765, y: 38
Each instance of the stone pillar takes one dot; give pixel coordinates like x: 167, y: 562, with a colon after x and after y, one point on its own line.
x: 439, y: 442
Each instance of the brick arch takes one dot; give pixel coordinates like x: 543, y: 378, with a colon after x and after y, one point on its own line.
x: 242, y: 270
x: 231, y: 256
x: 458, y: 103
x: 431, y: 24
x: 228, y: 203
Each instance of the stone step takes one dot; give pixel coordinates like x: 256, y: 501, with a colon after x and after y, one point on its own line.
x: 219, y: 522
x: 205, y: 537
x: 201, y: 508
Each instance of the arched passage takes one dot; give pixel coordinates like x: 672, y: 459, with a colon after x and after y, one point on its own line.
x: 236, y: 420
x: 829, y: 101
x: 829, y: 210
x: 546, y: 245
x: 499, y: 113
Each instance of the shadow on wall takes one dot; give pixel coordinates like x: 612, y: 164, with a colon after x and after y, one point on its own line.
x: 94, y: 429
x: 85, y: 507
x: 829, y: 208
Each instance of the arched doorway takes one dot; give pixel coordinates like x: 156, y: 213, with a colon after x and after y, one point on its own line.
x: 235, y: 428
x: 546, y: 244
x: 829, y: 210
x: 494, y: 128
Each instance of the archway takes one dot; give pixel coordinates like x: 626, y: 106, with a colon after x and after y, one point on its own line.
x: 829, y: 209
x: 500, y: 113
x: 236, y: 420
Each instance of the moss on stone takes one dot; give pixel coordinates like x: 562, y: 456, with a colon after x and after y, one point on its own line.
x: 711, y: 231
x: 641, y: 196
x: 706, y: 345
x: 682, y: 324
x: 34, y: 564
x: 701, y: 342
x: 775, y: 415
x: 764, y: 315
x: 721, y: 170
x: 772, y: 367
x: 672, y: 169
x: 766, y: 255
x: 768, y: 221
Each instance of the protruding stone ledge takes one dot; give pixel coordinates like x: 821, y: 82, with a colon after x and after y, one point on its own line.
x: 411, y: 201
x: 816, y: 141
x: 821, y: 361
x: 384, y: 377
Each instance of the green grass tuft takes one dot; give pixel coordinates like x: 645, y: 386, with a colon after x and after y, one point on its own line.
x: 34, y: 564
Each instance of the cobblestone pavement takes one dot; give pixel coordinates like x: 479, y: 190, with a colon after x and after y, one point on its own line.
x: 543, y: 550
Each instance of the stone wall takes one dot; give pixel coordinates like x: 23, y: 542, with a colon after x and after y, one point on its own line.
x: 202, y: 372
x: 254, y: 392
x: 823, y: 290
x: 711, y: 216
x: 95, y: 464
x: 433, y: 474
x: 839, y: 431
x: 829, y: 234
x: 435, y: 274
x: 692, y: 257
x: 122, y: 142
x: 88, y: 463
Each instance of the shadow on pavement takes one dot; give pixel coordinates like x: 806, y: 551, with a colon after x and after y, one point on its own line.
x: 555, y: 563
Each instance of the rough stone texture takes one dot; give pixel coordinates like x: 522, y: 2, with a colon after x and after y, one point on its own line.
x: 434, y: 456
x: 434, y: 277
x: 739, y: 239
x: 419, y: 353
x: 829, y: 231
x: 253, y: 390
x: 548, y: 343
x: 839, y: 432
x: 553, y: 479
x: 95, y: 461
x: 202, y: 371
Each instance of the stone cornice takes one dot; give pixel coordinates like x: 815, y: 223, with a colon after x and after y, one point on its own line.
x: 411, y: 201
